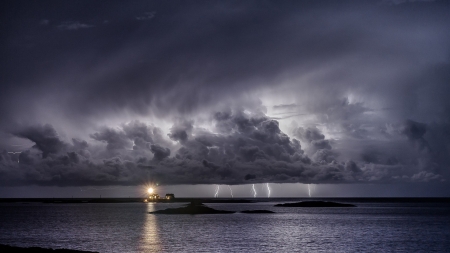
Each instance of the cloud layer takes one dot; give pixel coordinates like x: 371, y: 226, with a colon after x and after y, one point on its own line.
x: 225, y: 92
x: 240, y: 148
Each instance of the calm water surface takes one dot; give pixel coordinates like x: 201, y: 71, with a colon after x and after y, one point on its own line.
x: 370, y: 227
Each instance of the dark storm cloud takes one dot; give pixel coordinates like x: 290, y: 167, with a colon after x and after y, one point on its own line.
x: 314, y: 137
x: 159, y: 152
x: 181, y: 131
x: 195, y: 46
x: 45, y: 138
x: 203, y: 77
x: 415, y: 132
x: 115, y: 139
x: 309, y: 134
x: 258, y: 152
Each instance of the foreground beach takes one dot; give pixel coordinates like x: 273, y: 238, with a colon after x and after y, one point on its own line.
x: 12, y: 249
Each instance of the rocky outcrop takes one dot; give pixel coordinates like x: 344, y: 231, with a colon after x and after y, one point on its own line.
x: 192, y: 208
x: 315, y: 204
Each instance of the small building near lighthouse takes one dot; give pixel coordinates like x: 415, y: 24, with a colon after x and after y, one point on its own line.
x: 153, y: 196
x: 170, y: 196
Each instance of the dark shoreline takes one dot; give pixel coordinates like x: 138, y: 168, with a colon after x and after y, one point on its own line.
x: 13, y: 249
x: 120, y: 200
x: 219, y: 200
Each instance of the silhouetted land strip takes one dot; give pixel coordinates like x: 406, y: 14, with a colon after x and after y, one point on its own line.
x: 192, y: 208
x: 315, y: 204
x: 257, y: 211
x: 220, y: 200
x: 13, y: 249
x: 120, y: 200
x: 212, y: 200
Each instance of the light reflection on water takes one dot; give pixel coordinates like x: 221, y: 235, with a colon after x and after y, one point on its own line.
x: 150, y: 234
x: 371, y: 227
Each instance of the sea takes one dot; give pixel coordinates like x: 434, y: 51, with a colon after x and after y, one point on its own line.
x: 394, y: 225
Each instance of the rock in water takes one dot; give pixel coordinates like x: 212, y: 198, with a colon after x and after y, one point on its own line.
x: 315, y: 204
x: 192, y: 208
x: 257, y: 211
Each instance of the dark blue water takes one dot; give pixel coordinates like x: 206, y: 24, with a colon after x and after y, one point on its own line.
x: 370, y: 227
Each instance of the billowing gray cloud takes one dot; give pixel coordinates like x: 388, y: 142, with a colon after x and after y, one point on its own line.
x: 115, y: 139
x: 159, y: 152
x: 181, y: 131
x: 415, y: 132
x: 45, y: 138
x: 253, y: 149
x: 225, y: 93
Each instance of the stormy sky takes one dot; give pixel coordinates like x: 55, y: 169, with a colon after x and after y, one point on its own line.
x: 349, y: 96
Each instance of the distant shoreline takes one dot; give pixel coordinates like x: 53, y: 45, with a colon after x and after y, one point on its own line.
x: 216, y: 200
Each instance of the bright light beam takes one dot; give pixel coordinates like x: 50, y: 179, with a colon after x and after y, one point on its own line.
x: 254, y: 191
x: 231, y: 192
x: 309, y: 190
x: 268, y: 190
x: 217, y: 191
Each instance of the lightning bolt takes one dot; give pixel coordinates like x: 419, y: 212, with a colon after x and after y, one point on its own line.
x: 231, y: 192
x: 254, y: 191
x: 309, y: 190
x: 217, y: 191
x: 268, y: 190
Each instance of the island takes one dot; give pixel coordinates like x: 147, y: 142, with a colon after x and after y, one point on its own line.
x: 257, y: 211
x: 315, y: 204
x: 192, y: 208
